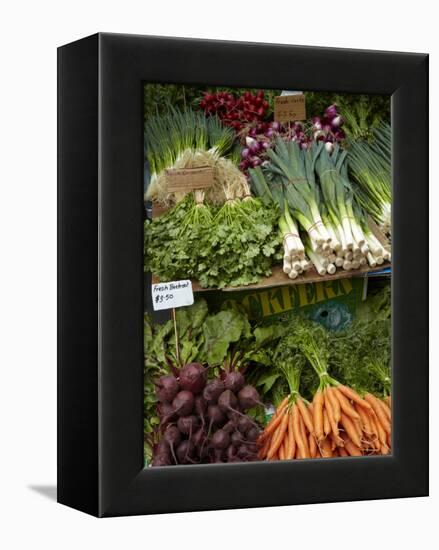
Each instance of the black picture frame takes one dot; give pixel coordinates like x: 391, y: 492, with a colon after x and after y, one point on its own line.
x: 100, y: 274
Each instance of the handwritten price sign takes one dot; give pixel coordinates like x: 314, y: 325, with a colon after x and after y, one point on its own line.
x: 172, y: 294
x: 289, y: 108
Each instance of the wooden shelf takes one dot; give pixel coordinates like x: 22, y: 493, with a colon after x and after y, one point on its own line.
x: 279, y: 278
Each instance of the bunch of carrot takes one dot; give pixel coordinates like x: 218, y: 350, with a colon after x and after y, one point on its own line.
x: 337, y: 423
x: 346, y: 424
x: 289, y: 434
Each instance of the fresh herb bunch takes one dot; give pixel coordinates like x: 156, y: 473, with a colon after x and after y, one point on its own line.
x: 171, y: 242
x: 358, y: 356
x: 233, y: 246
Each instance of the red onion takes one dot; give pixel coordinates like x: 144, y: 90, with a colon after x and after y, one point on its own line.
x: 336, y: 121
x: 331, y: 111
x: 329, y: 146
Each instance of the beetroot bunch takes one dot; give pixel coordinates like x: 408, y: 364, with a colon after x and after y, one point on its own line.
x: 204, y: 421
x: 236, y: 112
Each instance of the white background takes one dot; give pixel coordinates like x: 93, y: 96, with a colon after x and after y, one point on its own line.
x: 29, y: 34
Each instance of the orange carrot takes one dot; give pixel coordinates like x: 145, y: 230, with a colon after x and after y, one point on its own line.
x: 298, y: 432
x: 375, y: 432
x: 386, y: 409
x: 385, y: 449
x: 278, y: 437
x: 352, y: 449
x: 330, y: 412
x: 291, y: 441
x: 364, y: 416
x: 342, y: 451
x: 282, y: 450
x: 335, y: 403
x: 304, y: 434
x: 345, y: 405
x: 264, y: 449
x: 378, y: 410
x: 325, y: 448
x: 326, y: 424
x: 306, y: 415
x: 350, y: 428
x: 381, y: 431
x: 388, y: 400
x: 312, y: 446
x: 275, y: 421
x: 353, y: 396
x: 318, y: 415
x: 332, y: 441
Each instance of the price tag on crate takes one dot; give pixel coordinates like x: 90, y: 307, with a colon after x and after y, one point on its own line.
x: 188, y: 179
x: 289, y: 107
x: 171, y: 295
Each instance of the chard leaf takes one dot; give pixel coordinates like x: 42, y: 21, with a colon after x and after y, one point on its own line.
x: 220, y: 331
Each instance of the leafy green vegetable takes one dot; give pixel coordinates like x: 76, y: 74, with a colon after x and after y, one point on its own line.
x: 220, y: 331
x: 237, y: 248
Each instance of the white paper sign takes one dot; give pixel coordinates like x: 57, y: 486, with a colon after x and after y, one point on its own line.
x: 172, y: 294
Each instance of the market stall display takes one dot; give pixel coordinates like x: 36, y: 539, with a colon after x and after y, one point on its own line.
x: 243, y: 201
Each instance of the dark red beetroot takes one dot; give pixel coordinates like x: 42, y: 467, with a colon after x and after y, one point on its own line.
x: 173, y: 436
x: 245, y: 452
x: 234, y: 381
x: 252, y: 434
x: 183, y: 403
x: 161, y: 460
x: 220, y: 440
x: 188, y: 424
x: 162, y: 454
x: 162, y: 448
x: 215, y: 414
x: 245, y: 424
x: 234, y: 416
x: 227, y: 401
x: 165, y: 410
x: 229, y: 427
x: 166, y: 388
x: 199, y: 438
x: 213, y: 390
x: 248, y: 398
x: 200, y: 407
x: 236, y: 439
x: 193, y: 377
x: 231, y: 453
x: 218, y: 455
x: 185, y: 452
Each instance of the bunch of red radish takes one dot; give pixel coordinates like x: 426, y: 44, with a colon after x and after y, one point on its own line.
x: 204, y: 421
x: 236, y: 112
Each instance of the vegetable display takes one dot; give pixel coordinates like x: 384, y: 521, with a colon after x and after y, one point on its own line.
x: 235, y: 198
x: 302, y: 183
x: 331, y: 390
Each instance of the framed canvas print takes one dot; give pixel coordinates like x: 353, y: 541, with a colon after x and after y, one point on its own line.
x: 241, y: 319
